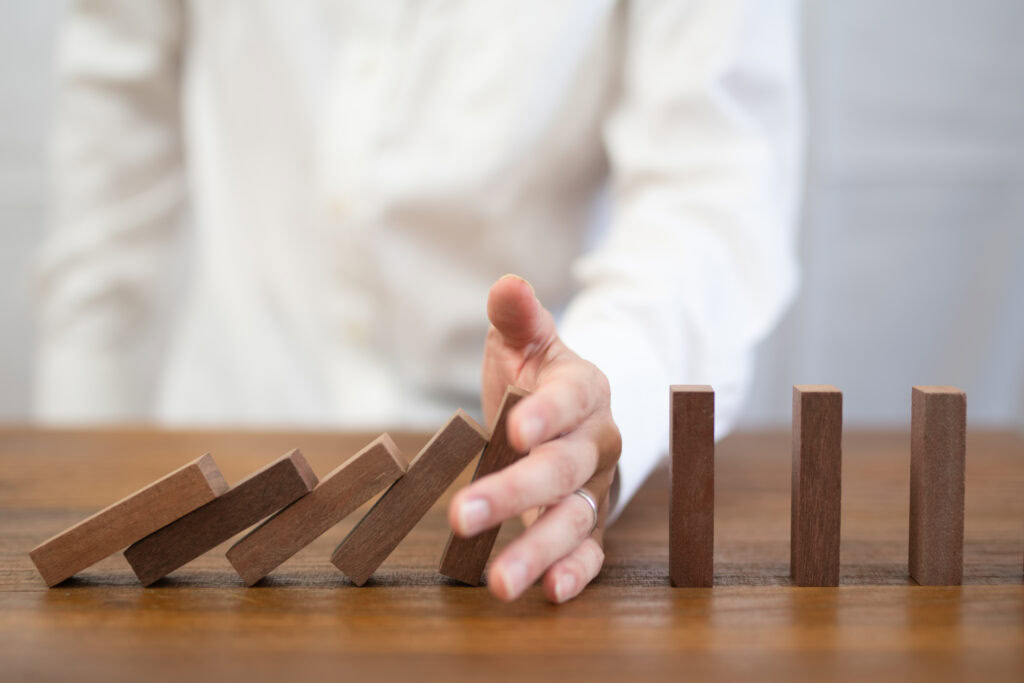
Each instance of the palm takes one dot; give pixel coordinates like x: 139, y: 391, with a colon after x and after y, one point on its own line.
x: 504, y: 365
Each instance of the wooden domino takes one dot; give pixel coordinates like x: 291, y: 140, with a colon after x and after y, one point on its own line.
x: 692, y: 498
x: 128, y: 520
x: 817, y: 485
x: 396, y: 512
x: 938, y: 446
x: 254, y: 498
x: 340, y: 493
x: 464, y: 559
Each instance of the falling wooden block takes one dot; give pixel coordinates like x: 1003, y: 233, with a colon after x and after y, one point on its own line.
x: 817, y: 485
x: 128, y: 520
x: 254, y: 498
x: 691, y: 541
x: 396, y: 512
x: 341, y: 492
x: 938, y: 447
x: 464, y: 559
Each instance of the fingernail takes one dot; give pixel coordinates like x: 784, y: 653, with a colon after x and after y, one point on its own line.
x: 565, y: 587
x: 530, y: 430
x: 520, y: 278
x: 473, y: 515
x: 514, y: 578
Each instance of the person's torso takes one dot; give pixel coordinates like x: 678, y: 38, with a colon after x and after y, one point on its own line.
x: 361, y: 173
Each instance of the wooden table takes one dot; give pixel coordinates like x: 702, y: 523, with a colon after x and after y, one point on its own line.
x: 409, y: 623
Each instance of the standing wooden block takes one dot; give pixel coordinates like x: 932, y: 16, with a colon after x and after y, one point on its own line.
x: 464, y: 559
x: 261, y: 494
x: 348, y: 486
x: 128, y: 520
x: 938, y: 447
x: 397, y: 511
x: 691, y: 522
x: 817, y: 485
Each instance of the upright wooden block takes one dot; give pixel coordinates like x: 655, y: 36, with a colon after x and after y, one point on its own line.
x: 259, y: 495
x: 348, y: 486
x: 464, y: 559
x: 938, y: 447
x: 128, y: 520
x: 817, y: 485
x: 397, y: 511
x: 691, y: 522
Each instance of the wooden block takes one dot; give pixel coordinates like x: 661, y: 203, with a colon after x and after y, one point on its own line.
x: 817, y: 485
x: 691, y: 522
x: 254, y: 498
x: 128, y: 520
x: 340, y: 493
x: 938, y: 447
x: 464, y: 559
x: 397, y: 511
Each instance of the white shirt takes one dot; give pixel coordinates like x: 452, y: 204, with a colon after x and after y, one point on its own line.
x: 346, y: 180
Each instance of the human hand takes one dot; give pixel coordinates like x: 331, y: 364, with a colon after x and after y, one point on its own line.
x: 566, y: 427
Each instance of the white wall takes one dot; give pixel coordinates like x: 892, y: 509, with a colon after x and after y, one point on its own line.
x: 913, y: 245
x: 26, y: 40
x: 914, y: 238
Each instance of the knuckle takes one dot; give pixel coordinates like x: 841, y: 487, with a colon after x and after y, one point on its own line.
x: 575, y: 566
x: 596, y: 553
x: 509, y: 495
x: 563, y: 472
x: 581, y: 518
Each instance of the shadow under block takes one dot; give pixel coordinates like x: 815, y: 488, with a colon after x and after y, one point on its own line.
x: 817, y: 485
x: 691, y: 522
x: 338, y: 494
x: 464, y: 559
x: 395, y: 513
x: 128, y: 520
x: 938, y: 446
x: 256, y: 497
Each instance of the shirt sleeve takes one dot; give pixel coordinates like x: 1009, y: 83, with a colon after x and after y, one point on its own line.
x: 117, y: 197
x: 698, y: 260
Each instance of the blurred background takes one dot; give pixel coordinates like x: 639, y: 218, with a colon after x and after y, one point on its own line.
x: 913, y: 229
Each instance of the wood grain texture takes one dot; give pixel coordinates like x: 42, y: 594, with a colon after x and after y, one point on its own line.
x: 464, y: 559
x: 305, y: 622
x: 340, y: 493
x: 254, y: 498
x: 397, y: 512
x: 691, y: 527
x: 938, y: 448
x: 816, y: 485
x: 128, y: 520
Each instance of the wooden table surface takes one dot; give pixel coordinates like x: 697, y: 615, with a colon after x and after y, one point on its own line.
x: 307, y: 620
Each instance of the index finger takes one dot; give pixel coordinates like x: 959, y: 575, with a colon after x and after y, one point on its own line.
x: 564, y: 398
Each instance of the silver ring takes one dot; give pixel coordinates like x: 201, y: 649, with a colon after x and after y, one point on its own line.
x: 587, y: 496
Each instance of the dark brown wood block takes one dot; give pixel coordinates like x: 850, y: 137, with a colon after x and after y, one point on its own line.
x: 396, y: 512
x: 254, y: 498
x: 340, y: 493
x: 938, y: 447
x: 464, y: 559
x: 128, y: 520
x: 691, y: 522
x: 817, y: 485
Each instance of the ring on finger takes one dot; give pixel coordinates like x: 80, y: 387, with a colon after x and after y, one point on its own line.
x: 592, y: 502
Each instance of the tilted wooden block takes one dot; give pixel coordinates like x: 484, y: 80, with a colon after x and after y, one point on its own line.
x: 938, y: 447
x: 691, y: 541
x: 396, y: 512
x: 817, y: 485
x: 340, y: 493
x: 254, y: 498
x: 464, y: 559
x: 128, y: 520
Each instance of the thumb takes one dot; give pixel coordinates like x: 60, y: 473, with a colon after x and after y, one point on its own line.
x: 517, y: 315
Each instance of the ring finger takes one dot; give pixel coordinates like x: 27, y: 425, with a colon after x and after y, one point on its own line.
x: 554, y: 535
